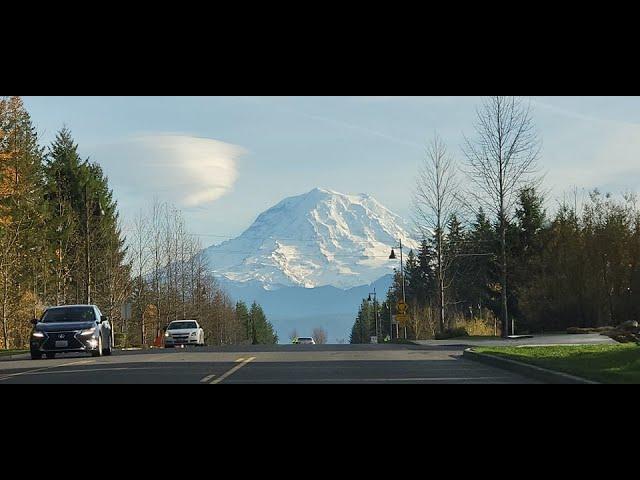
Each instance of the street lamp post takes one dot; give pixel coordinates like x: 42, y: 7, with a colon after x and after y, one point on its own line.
x: 404, y: 298
x: 375, y: 309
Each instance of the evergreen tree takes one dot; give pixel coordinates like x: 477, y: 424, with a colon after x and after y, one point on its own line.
x: 84, y: 228
x: 242, y: 317
x: 525, y: 248
x: 361, y: 330
x: 412, y: 278
x: 62, y: 172
x: 261, y: 329
x: 482, y: 274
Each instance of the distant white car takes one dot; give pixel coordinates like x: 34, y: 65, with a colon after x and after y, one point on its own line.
x: 183, y: 332
x: 305, y: 341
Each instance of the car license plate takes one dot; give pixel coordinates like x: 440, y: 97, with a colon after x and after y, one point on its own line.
x: 62, y: 344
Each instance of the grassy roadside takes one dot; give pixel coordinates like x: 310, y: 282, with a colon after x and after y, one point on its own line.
x: 602, y: 363
x: 4, y: 353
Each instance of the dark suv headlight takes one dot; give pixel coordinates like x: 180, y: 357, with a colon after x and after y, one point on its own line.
x: 37, y: 335
x: 89, y: 332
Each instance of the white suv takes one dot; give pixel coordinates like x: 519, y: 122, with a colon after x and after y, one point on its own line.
x: 183, y: 332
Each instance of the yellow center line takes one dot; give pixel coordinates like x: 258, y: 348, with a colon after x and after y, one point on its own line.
x: 240, y: 360
x: 233, y: 370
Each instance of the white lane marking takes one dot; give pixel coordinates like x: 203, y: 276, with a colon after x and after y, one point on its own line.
x: 377, y: 380
x: 207, y: 378
x: 233, y: 370
x: 28, y: 372
x: 240, y: 360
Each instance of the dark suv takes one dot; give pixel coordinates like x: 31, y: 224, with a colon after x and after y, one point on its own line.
x: 71, y: 328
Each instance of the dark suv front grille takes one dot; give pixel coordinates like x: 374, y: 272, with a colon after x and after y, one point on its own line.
x: 54, y: 337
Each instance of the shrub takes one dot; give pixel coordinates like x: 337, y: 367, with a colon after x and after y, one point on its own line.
x: 452, y: 333
x: 119, y: 339
x: 484, y: 325
x: 583, y: 331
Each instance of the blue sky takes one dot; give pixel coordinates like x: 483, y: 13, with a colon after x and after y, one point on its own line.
x: 223, y: 160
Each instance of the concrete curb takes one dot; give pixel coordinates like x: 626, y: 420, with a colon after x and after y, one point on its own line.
x: 533, y: 371
x: 19, y: 356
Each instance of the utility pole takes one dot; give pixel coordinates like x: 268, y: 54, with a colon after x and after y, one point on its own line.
x: 404, y: 297
x: 97, y: 212
x: 375, y: 311
x: 87, y: 264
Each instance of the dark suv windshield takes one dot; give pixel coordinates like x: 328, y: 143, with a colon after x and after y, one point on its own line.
x: 182, y: 325
x: 71, y: 314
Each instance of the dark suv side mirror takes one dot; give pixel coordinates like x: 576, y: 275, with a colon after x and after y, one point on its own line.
x: 34, y: 322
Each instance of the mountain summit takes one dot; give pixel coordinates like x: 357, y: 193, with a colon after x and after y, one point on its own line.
x: 316, y: 239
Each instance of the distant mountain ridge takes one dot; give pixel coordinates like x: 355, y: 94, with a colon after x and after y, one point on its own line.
x: 304, y: 309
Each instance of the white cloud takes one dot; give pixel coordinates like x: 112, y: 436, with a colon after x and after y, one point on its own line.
x: 185, y: 170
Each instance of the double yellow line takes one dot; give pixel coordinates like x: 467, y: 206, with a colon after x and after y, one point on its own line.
x: 241, y: 363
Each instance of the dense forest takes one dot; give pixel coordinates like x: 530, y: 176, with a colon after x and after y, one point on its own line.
x: 567, y: 263
x: 62, y: 242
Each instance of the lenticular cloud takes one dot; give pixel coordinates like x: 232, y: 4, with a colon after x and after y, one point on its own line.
x: 185, y: 170
x: 202, y: 169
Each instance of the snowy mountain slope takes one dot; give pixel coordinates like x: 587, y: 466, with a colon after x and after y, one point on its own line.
x: 320, y: 238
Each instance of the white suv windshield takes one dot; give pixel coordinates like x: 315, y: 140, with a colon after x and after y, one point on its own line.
x: 182, y: 325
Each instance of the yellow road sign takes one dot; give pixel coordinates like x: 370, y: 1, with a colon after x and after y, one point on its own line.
x: 402, y: 319
x: 402, y: 308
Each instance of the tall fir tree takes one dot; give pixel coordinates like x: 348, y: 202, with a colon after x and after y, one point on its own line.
x: 262, y: 332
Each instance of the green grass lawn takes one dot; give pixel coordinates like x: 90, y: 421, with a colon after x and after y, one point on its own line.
x: 603, y: 363
x: 12, y: 352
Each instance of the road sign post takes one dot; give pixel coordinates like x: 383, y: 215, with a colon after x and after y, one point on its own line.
x: 402, y: 316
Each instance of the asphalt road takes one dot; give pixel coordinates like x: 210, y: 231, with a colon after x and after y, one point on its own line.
x: 280, y: 364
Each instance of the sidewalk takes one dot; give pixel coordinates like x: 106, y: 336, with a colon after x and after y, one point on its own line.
x: 537, y: 340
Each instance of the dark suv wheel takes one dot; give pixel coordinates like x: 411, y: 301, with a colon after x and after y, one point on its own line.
x: 107, y: 351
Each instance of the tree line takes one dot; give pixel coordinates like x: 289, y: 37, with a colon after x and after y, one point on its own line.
x: 170, y: 281
x: 494, y: 259
x: 62, y: 242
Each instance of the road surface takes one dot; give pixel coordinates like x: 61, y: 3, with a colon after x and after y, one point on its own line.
x: 318, y: 364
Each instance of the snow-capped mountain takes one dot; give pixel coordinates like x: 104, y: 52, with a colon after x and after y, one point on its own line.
x: 320, y: 238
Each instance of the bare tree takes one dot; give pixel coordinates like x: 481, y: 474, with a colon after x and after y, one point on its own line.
x: 501, y: 160
x: 436, y: 200
x: 319, y: 336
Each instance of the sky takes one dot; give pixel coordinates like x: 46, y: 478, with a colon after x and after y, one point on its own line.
x: 224, y: 160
